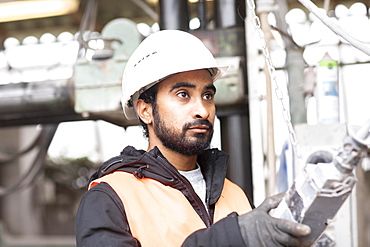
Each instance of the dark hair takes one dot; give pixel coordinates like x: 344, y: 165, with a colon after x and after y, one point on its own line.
x: 149, y: 96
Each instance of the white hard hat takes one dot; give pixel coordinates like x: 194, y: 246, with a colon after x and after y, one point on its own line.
x: 160, y: 55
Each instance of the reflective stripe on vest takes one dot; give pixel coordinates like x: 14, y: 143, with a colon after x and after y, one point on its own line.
x: 160, y: 215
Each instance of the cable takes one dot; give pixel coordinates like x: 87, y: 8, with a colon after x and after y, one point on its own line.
x: 141, y: 4
x: 30, y: 176
x: 334, y: 27
x: 6, y: 158
x: 89, y: 13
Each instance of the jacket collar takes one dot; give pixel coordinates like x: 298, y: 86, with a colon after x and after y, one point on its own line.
x: 154, y: 165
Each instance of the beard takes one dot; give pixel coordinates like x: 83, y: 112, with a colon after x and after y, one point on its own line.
x: 178, y: 141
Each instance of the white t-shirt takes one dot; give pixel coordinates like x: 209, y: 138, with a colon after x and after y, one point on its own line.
x: 196, y: 179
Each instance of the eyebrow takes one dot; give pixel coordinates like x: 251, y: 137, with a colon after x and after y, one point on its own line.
x: 190, y: 85
x: 211, y: 87
x: 182, y: 84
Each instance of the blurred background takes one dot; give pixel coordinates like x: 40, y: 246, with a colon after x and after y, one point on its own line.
x: 61, y: 64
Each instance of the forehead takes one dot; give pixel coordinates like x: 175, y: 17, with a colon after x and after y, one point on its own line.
x: 194, y: 79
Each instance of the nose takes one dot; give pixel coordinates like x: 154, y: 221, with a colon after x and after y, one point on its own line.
x: 201, y: 110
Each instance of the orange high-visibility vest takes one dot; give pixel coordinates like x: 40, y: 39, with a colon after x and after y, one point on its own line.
x: 159, y: 215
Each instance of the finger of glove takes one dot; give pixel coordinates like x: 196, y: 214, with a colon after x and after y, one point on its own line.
x: 271, y: 202
x: 286, y: 239
x: 292, y: 228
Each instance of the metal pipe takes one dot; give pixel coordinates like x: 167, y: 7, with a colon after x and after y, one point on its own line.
x: 36, y: 102
x: 27, y: 97
x: 235, y: 141
x: 295, y: 65
x: 174, y: 14
x: 270, y: 142
x: 202, y: 14
x: 229, y: 13
x: 235, y: 123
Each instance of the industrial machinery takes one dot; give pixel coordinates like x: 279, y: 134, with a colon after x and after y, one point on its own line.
x: 320, y: 190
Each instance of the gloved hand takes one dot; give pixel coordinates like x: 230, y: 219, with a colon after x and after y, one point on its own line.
x: 258, y: 228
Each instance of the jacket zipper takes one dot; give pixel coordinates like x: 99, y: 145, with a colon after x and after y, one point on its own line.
x: 111, y: 164
x: 192, y: 193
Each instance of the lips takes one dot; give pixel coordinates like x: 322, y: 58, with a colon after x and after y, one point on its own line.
x: 199, y: 128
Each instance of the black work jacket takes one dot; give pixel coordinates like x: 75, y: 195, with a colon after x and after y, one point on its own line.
x: 101, y: 219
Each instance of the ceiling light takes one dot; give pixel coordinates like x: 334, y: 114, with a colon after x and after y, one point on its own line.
x: 195, y: 1
x: 30, y: 9
x: 190, y: 1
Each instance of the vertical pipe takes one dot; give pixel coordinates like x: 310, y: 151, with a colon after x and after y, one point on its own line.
x: 230, y: 13
x: 236, y: 142
x: 174, y: 14
x: 270, y: 142
x: 295, y: 67
x: 202, y: 14
x: 235, y: 125
x: 255, y: 113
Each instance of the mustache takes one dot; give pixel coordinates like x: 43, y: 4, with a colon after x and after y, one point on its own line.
x: 199, y: 122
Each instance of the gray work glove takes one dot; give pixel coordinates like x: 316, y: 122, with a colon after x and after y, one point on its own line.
x: 258, y: 228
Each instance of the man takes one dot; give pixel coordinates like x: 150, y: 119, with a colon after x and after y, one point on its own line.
x: 175, y: 193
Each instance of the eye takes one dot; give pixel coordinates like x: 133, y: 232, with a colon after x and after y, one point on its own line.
x: 183, y: 94
x: 208, y: 96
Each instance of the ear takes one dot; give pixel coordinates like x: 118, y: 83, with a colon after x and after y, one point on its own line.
x: 144, y: 111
